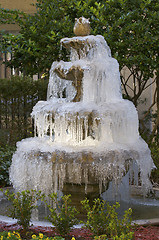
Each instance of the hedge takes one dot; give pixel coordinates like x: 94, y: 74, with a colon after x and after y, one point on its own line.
x: 18, y: 95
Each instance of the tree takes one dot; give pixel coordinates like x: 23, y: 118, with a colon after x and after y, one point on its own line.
x: 132, y: 33
x: 38, y: 43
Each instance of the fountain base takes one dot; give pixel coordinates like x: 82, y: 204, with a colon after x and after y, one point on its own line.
x: 45, y: 166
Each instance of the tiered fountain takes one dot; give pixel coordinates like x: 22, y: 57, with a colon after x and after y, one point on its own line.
x: 86, y: 135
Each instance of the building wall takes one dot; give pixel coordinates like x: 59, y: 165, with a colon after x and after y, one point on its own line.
x: 22, y: 5
x: 146, y: 99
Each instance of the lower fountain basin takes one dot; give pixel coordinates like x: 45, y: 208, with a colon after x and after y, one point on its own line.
x: 47, y: 167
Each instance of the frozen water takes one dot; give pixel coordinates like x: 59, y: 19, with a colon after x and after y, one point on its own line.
x: 75, y: 122
x: 101, y: 71
x: 92, y: 140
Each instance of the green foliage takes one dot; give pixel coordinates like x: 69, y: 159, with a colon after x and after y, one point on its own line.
x: 6, y: 153
x: 18, y: 95
x: 23, y: 204
x: 123, y: 236
x: 105, y: 222
x: 38, y: 43
x: 130, y: 27
x: 131, y: 32
x: 154, y: 147
x: 62, y: 216
x: 9, y: 16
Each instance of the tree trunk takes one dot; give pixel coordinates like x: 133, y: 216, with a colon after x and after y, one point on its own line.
x: 156, y: 126
x: 157, y: 84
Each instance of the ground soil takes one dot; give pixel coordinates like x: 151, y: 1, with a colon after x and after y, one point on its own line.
x: 141, y: 232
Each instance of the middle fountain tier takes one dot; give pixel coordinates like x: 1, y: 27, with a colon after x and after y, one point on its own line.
x: 86, y: 134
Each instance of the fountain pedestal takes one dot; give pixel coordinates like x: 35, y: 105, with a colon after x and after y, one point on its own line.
x: 79, y: 193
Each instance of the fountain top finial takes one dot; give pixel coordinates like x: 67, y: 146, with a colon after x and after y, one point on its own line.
x: 82, y: 26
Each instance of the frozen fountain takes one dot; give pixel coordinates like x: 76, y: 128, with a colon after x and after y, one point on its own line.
x: 86, y: 134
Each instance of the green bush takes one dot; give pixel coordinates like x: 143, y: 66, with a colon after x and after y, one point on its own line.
x: 6, y: 153
x: 23, y: 204
x: 123, y: 236
x: 104, y: 223
x: 62, y: 216
x: 18, y: 95
x: 154, y: 147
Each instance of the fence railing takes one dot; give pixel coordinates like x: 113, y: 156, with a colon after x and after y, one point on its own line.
x: 7, y: 72
x: 17, y: 98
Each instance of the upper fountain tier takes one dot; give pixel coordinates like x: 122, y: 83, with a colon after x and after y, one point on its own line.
x: 84, y: 102
x: 85, y: 105
x: 92, y: 75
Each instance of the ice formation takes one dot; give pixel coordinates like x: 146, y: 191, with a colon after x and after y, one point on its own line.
x: 85, y: 133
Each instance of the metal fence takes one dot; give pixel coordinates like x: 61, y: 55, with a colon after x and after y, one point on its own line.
x: 7, y: 72
x: 17, y: 98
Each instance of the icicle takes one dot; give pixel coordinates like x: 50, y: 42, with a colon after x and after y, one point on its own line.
x: 86, y: 126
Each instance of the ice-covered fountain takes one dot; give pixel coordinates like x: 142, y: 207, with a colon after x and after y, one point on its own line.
x: 86, y: 134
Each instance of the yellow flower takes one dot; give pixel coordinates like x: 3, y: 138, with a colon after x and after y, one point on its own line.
x: 41, y: 235
x: 18, y: 235
x: 33, y: 236
x: 9, y: 234
x: 73, y: 238
x: 1, y: 237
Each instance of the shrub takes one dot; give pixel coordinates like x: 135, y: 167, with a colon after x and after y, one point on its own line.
x: 62, y: 216
x: 154, y: 147
x: 104, y: 222
x: 23, y: 204
x: 123, y: 236
x: 18, y: 95
x: 6, y: 153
